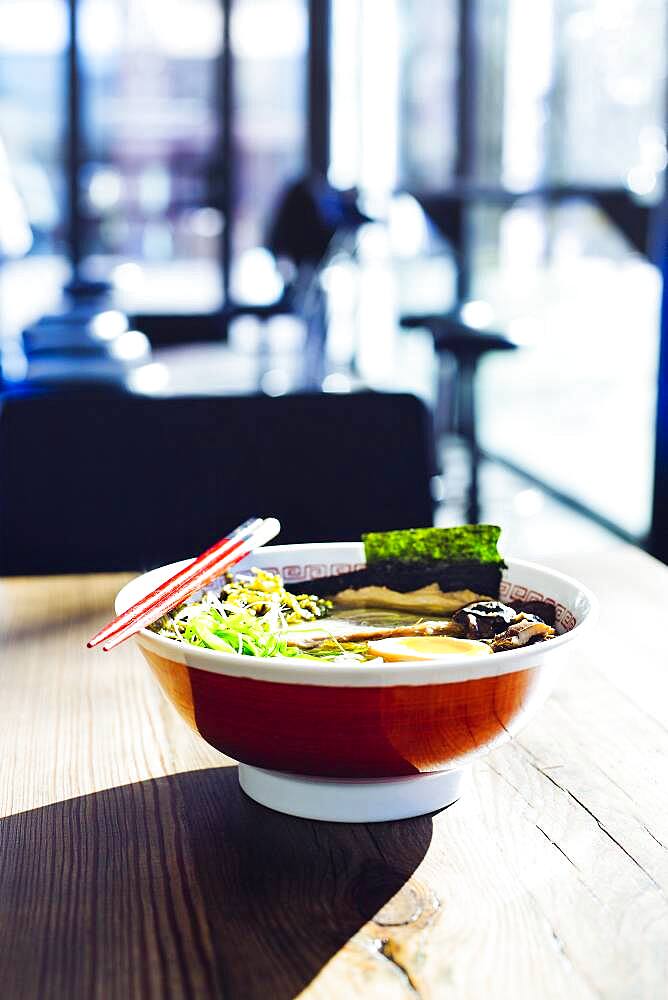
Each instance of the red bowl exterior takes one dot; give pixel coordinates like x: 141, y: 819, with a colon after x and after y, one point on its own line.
x: 360, y: 722
x: 346, y: 732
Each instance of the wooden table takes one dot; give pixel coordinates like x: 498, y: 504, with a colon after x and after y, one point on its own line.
x: 132, y: 866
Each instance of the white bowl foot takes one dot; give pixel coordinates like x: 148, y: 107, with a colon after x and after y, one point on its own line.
x: 360, y: 801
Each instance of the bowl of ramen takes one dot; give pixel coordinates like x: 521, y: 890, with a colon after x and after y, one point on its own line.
x: 358, y: 681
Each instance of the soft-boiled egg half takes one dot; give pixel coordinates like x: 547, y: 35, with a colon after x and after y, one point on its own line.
x: 427, y: 647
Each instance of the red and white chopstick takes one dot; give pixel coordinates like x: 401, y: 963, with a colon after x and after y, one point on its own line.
x: 202, y: 574
x: 211, y: 555
x: 211, y: 564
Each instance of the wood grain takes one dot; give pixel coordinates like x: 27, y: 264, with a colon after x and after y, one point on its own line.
x: 132, y: 866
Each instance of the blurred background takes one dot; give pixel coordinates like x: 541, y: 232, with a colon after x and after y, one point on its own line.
x: 463, y: 201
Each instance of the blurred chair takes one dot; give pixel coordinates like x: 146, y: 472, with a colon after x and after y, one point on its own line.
x: 307, y: 216
x: 310, y: 219
x: 467, y: 345
x: 111, y: 482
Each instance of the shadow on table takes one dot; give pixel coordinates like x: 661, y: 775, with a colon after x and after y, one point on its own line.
x: 182, y: 886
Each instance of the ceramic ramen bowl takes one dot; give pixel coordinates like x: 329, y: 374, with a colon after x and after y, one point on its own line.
x: 366, y: 742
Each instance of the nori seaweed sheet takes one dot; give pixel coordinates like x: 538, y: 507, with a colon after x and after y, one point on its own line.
x: 467, y: 542
x: 481, y: 578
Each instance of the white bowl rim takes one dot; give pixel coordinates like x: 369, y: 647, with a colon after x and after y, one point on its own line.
x: 286, y: 670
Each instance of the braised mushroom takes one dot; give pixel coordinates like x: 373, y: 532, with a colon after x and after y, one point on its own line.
x: 525, y: 630
x: 484, y: 619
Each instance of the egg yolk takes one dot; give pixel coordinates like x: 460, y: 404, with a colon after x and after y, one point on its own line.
x: 427, y: 647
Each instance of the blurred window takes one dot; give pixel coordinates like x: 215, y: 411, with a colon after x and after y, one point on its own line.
x: 576, y: 405
x: 393, y: 94
x: 491, y: 56
x: 149, y: 70
x: 151, y: 120
x: 33, y: 36
x: 608, y: 104
x: 568, y: 94
x: 573, y: 93
x: 427, y: 93
x: 269, y: 47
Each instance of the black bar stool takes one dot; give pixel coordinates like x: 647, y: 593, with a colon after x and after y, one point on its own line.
x: 467, y: 345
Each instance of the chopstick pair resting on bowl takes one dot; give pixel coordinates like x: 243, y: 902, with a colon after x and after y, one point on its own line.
x: 216, y: 560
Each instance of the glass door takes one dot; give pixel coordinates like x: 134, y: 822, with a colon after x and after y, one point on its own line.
x: 568, y: 269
